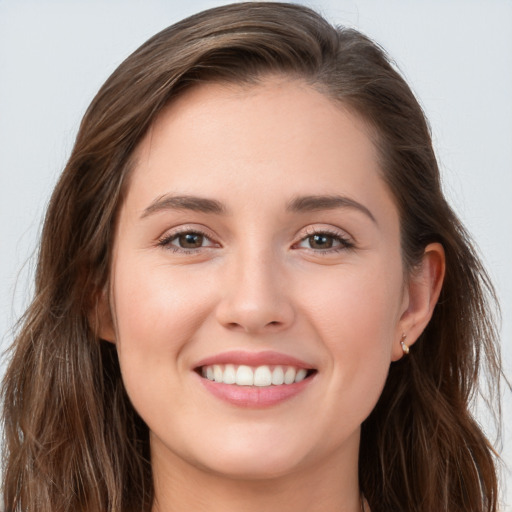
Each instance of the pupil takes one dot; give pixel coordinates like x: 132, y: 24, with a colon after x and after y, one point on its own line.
x: 320, y: 242
x: 191, y: 240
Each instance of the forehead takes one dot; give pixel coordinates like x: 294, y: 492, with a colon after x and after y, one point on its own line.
x: 279, y: 137
x: 276, y: 109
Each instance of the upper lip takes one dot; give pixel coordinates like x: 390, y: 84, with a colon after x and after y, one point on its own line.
x: 240, y: 357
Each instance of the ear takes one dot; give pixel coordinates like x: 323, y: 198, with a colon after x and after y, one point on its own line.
x: 420, y: 297
x: 101, y: 319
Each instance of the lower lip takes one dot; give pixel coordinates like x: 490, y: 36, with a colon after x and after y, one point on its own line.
x: 254, y: 396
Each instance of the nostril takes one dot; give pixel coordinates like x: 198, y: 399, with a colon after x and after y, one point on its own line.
x: 234, y: 325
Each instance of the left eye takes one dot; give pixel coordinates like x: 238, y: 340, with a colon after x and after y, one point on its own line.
x: 324, y: 241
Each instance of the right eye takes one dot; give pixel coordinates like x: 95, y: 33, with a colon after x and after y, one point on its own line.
x: 189, y: 240
x: 186, y: 241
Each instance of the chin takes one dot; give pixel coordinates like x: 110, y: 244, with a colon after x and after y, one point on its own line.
x: 254, y: 455
x: 263, y: 466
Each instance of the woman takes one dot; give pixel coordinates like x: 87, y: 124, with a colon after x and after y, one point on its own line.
x: 251, y: 293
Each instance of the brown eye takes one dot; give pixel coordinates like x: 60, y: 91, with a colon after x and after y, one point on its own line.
x: 325, y: 243
x: 190, y: 240
x: 187, y: 242
x: 321, y: 242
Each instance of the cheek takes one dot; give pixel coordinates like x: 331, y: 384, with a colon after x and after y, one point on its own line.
x: 356, y: 320
x: 154, y: 303
x: 157, y: 312
x: 356, y: 308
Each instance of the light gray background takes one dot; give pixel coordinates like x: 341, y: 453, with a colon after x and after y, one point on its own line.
x: 457, y: 55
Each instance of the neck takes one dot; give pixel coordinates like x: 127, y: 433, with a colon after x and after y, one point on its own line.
x: 331, y: 486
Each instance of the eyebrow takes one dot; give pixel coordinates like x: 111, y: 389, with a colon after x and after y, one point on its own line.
x: 193, y: 203
x: 328, y: 202
x: 298, y: 204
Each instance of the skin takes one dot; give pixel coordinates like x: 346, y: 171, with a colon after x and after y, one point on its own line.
x: 258, y: 283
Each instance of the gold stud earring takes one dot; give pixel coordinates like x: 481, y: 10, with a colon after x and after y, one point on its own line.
x: 405, y: 347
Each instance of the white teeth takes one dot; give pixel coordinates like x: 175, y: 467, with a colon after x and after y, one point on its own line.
x: 244, y: 376
x: 229, y: 374
x: 301, y: 375
x: 261, y: 376
x: 278, y: 376
x: 217, y: 373
x: 289, y: 376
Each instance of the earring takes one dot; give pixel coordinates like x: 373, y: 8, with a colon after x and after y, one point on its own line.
x: 405, y: 347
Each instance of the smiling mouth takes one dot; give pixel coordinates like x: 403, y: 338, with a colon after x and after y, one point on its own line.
x: 256, y: 376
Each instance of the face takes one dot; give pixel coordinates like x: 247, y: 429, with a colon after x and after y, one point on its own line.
x: 257, y: 244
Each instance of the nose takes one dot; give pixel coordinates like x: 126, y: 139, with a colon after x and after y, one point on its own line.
x: 254, y: 296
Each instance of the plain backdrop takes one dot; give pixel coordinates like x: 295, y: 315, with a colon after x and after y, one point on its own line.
x: 456, y: 55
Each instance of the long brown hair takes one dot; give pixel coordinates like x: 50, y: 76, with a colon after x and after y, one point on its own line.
x: 73, y: 441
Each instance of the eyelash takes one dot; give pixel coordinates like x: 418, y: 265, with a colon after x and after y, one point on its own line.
x: 166, y: 241
x: 344, y: 242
